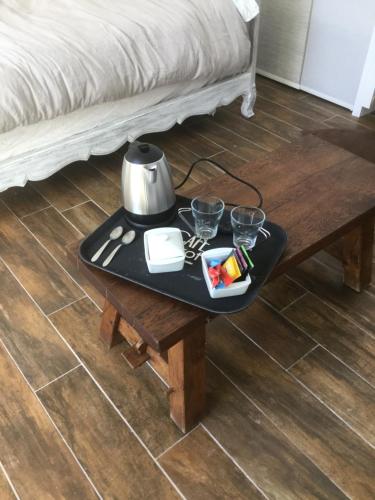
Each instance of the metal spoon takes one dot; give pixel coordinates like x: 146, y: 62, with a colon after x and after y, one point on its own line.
x: 114, y: 235
x: 126, y: 240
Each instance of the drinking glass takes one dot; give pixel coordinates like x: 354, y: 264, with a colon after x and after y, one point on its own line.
x: 246, y: 224
x: 207, y: 212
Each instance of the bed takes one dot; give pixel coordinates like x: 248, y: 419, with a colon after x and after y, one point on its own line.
x: 82, y: 77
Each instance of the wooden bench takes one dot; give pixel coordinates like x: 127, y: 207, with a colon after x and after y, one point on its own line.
x: 318, y: 192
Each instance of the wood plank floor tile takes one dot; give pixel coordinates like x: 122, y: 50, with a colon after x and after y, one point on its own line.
x: 327, y: 284
x: 112, y: 456
x: 41, y: 276
x: 338, y: 452
x: 138, y: 394
x: 23, y: 200
x: 207, y: 127
x: 35, y: 345
x: 281, y: 292
x: 287, y: 115
x: 337, y: 334
x: 229, y: 161
x: 6, y: 492
x: 178, y: 177
x: 202, y: 470
x: 182, y: 159
x: 187, y: 139
x: 341, y: 389
x: 270, y: 123
x: 95, y: 185
x: 86, y: 218
x: 55, y: 233
x: 276, y: 466
x: 323, y: 104
x: 33, y: 454
x: 248, y: 130
x: 277, y: 95
x: 279, y: 338
x: 60, y: 192
x: 109, y: 165
x: 368, y: 120
x: 341, y: 122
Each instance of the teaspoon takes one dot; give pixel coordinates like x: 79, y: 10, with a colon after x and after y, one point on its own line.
x: 126, y: 240
x: 114, y: 235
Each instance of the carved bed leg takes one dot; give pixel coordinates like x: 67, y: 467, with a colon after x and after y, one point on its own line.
x: 247, y: 107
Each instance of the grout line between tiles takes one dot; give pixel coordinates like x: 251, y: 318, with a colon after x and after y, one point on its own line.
x: 50, y: 254
x: 66, y: 305
x: 216, y: 144
x: 293, y: 302
x: 298, y: 129
x: 291, y: 374
x: 92, y: 378
x: 74, y: 206
x: 11, y: 485
x: 330, y: 352
x: 177, y: 442
x: 57, y: 378
x: 336, y: 309
x: 243, y: 137
x: 305, y: 332
x: 273, y: 423
x: 31, y: 213
x: 53, y: 423
x: 315, y: 122
x: 256, y: 125
x: 302, y: 357
x: 234, y: 461
x: 339, y: 417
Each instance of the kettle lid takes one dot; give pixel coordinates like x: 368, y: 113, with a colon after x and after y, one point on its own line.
x: 142, y: 153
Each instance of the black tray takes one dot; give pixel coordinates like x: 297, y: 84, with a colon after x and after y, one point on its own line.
x: 187, y: 285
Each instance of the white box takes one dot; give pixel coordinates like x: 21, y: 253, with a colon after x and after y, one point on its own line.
x: 164, y: 250
x: 230, y: 291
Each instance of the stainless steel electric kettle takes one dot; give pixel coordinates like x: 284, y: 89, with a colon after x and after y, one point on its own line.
x: 147, y: 187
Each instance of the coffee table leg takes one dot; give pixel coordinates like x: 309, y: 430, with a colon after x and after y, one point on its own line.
x: 187, y: 378
x: 109, y: 333
x: 357, y: 256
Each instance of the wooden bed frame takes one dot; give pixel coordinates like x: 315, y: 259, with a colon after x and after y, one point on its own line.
x: 40, y: 163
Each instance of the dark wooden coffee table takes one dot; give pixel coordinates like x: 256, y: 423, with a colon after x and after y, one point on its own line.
x: 318, y: 192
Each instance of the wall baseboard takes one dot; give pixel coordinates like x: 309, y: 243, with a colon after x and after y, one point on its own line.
x: 295, y: 85
x: 326, y: 97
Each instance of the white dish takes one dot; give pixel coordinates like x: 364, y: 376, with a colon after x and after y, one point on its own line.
x: 230, y: 291
x: 164, y: 250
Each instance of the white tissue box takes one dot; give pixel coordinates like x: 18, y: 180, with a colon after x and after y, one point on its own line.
x: 164, y: 250
x: 238, y: 288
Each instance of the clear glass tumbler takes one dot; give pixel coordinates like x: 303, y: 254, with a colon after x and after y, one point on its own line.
x: 246, y: 223
x: 207, y: 212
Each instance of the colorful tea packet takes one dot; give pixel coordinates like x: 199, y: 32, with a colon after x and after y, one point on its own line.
x: 234, y: 268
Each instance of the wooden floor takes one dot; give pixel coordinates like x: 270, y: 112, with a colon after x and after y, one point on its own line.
x: 291, y: 380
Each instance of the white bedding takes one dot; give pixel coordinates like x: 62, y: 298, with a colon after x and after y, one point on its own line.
x: 60, y: 56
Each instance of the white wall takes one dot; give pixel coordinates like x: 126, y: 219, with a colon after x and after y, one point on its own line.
x: 365, y: 99
x: 337, y: 45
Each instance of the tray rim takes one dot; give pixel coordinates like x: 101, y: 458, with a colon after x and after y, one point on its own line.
x: 174, y: 297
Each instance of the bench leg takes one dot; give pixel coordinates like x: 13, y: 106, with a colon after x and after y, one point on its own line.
x: 357, y: 252
x: 109, y: 332
x: 187, y: 378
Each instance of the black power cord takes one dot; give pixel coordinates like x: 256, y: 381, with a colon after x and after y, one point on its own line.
x: 213, y: 162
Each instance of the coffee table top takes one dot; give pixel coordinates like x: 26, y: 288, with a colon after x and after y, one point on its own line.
x: 316, y: 191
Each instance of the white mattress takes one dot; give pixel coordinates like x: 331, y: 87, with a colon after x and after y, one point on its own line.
x: 25, y: 139
x: 60, y: 56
